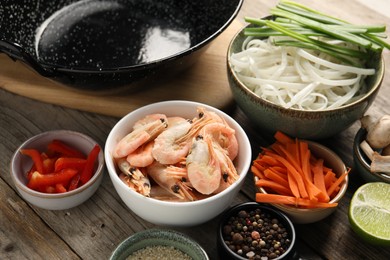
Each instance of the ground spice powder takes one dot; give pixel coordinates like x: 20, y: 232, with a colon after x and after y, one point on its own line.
x: 159, y: 252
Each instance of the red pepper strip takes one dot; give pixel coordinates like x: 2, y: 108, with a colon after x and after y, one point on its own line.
x: 88, y: 169
x: 47, y: 189
x: 60, y: 188
x: 30, y: 172
x: 69, y: 162
x: 64, y: 150
x: 38, y: 180
x: 48, y: 165
x: 36, y: 157
x: 74, y: 182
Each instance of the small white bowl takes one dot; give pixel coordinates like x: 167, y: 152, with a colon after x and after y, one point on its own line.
x: 21, y: 164
x: 176, y: 213
x: 305, y: 216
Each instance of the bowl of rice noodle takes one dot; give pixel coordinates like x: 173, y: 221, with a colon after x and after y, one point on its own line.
x: 303, y: 92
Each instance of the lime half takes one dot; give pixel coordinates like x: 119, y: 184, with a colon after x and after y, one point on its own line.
x: 369, y: 213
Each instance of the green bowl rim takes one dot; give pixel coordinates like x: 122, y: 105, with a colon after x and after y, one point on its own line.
x: 159, y: 233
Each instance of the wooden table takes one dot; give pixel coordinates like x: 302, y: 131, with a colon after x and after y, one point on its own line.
x: 93, y: 229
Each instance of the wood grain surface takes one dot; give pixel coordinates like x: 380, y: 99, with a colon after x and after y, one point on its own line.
x: 94, y: 229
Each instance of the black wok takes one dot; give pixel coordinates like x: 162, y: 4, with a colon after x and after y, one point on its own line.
x: 103, y: 44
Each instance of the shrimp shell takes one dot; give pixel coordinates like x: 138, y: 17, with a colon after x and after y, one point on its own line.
x: 172, y: 179
x: 145, y: 130
x: 167, y: 149
x: 142, y: 156
x: 204, y: 172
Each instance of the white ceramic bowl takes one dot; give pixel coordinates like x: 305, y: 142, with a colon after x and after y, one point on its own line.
x: 176, y: 213
x: 304, y: 216
x: 21, y: 164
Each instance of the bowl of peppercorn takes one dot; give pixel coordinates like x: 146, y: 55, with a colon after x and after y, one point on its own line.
x: 254, y: 231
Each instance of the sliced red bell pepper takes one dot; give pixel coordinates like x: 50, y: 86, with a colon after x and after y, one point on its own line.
x: 74, y: 182
x: 60, y: 188
x: 64, y: 150
x: 48, y: 165
x: 39, y: 180
x: 70, y: 162
x: 36, y: 157
x: 87, y: 173
x: 47, y: 189
x: 30, y: 172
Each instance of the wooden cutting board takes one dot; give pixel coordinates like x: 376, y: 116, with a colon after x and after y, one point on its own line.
x: 205, y: 82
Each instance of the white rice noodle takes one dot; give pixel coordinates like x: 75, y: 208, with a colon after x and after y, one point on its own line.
x: 297, y: 78
x: 335, y: 66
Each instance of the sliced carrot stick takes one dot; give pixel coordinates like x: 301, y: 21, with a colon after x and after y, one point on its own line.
x: 282, y: 171
x: 276, y: 187
x: 273, y: 176
x: 270, y: 160
x: 295, y: 174
x: 295, y: 149
x: 293, y: 184
x: 257, y: 172
x: 305, y: 160
x: 293, y: 166
x: 326, y: 169
x: 314, y: 192
x: 283, y: 138
x: 337, y: 183
x: 289, y: 200
x: 289, y: 155
x: 260, y: 165
x: 318, y: 177
x: 329, y: 178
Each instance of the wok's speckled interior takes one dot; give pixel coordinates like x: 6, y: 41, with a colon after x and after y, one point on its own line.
x: 103, y: 35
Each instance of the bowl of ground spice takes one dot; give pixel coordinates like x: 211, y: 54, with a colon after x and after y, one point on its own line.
x: 254, y: 231
x: 159, y: 244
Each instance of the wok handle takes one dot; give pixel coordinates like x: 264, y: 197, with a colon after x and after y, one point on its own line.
x: 16, y: 52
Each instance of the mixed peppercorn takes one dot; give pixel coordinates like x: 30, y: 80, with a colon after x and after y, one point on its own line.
x: 256, y: 234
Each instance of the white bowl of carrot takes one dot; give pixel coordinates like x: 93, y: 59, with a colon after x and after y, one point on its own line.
x: 304, y: 179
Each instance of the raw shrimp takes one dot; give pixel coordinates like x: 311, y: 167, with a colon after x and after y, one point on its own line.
x: 175, y: 120
x: 172, y: 179
x: 167, y: 149
x: 222, y: 186
x: 204, y: 113
x: 203, y: 169
x: 125, y: 167
x: 174, y: 143
x: 134, y: 177
x: 158, y: 192
x: 144, y: 130
x: 142, y: 157
x: 148, y: 119
x: 223, y: 135
x: 141, y: 186
x: 228, y: 170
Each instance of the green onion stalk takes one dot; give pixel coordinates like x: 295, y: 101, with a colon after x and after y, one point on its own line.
x: 310, y: 29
